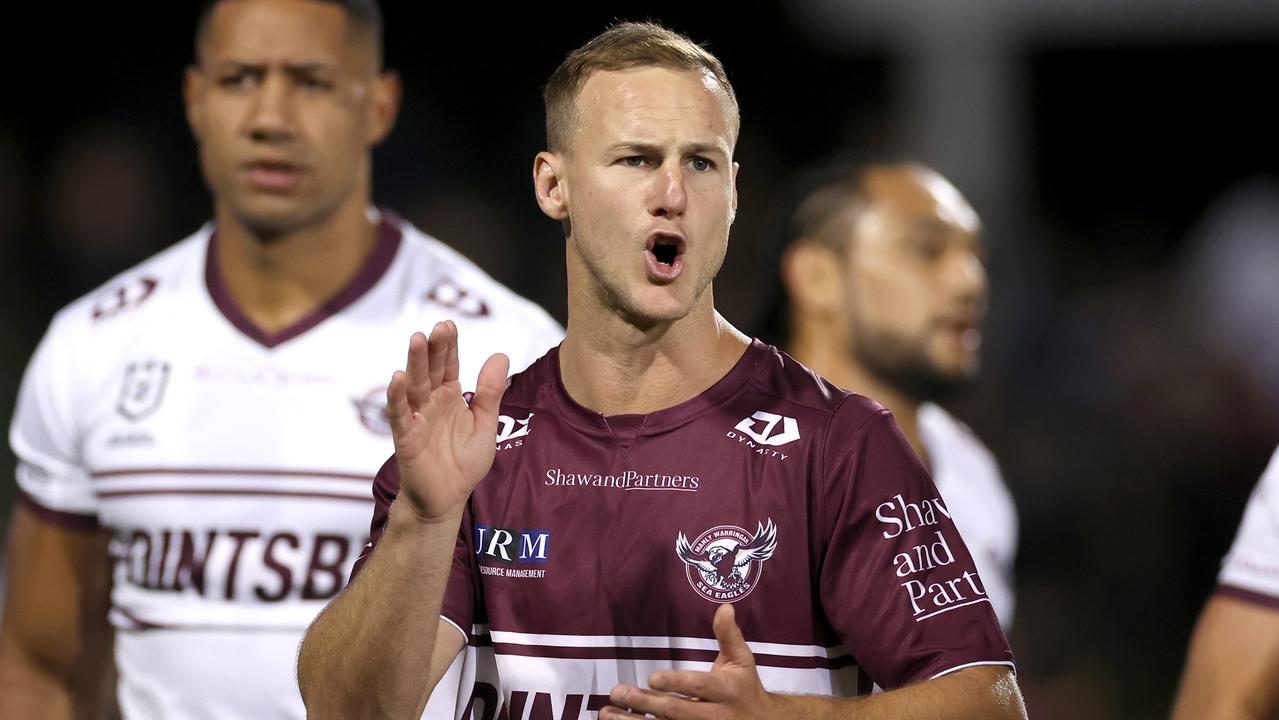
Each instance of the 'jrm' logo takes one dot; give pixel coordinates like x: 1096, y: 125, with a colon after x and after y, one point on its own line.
x: 789, y: 433
x: 510, y: 546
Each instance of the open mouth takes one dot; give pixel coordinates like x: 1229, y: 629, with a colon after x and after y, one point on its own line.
x: 665, y: 256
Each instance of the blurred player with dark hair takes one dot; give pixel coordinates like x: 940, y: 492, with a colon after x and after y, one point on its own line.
x: 664, y: 467
x: 194, y: 438
x: 881, y: 289
x: 1232, y: 668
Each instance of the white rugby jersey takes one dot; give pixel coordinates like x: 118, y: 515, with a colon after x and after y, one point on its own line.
x: 968, y: 477
x: 1251, y: 569
x: 233, y: 467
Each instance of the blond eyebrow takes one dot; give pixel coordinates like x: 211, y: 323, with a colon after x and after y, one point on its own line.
x: 641, y: 148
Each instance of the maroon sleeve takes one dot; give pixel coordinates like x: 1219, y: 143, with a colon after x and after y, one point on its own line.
x: 897, y: 582
x: 386, y: 487
x: 459, y: 597
x: 463, y: 603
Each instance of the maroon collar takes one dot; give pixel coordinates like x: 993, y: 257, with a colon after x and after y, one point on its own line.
x: 388, y: 242
x: 629, y: 426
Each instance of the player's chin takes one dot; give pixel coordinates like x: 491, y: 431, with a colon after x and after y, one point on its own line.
x: 958, y: 368
x: 273, y: 212
x: 661, y: 304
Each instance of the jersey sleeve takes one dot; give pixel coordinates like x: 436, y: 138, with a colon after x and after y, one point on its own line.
x: 459, y: 596
x: 52, y: 477
x: 541, y: 334
x: 897, y: 582
x: 1251, y: 568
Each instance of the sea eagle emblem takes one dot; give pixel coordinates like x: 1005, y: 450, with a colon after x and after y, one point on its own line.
x: 724, y: 563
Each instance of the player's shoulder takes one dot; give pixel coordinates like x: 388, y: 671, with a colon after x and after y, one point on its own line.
x: 137, y: 291
x: 454, y: 282
x: 781, y: 376
x: 944, y: 432
x: 526, y: 391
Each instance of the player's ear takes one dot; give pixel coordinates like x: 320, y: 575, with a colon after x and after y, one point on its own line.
x: 812, y: 277
x: 549, y: 185
x: 385, y: 92
x: 732, y: 215
x: 194, y: 87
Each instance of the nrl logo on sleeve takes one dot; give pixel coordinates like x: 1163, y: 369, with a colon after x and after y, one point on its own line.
x: 510, y: 431
x: 124, y: 297
x: 144, y: 383
x: 724, y: 564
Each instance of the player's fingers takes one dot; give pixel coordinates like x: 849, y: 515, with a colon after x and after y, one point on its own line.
x: 397, y: 403
x: 451, y: 367
x: 490, y: 386
x: 439, y: 349
x: 663, y: 705
x: 732, y: 644
x: 693, y: 683
x: 417, y: 384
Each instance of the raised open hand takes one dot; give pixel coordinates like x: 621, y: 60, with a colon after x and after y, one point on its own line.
x: 443, y: 446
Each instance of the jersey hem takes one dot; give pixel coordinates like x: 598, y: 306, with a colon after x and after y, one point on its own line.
x: 979, y: 663
x: 61, y: 518
x: 1247, y: 595
x: 466, y: 637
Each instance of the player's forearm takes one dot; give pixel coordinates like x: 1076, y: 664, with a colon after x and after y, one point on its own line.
x: 28, y: 690
x: 1232, y: 663
x: 369, y: 653
x: 980, y: 693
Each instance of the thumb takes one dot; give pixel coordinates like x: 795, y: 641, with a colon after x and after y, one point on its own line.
x: 732, y: 644
x: 490, y: 386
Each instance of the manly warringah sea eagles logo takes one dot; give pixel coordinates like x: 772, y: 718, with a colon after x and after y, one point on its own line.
x: 724, y: 563
x: 371, y: 410
x: 143, y: 389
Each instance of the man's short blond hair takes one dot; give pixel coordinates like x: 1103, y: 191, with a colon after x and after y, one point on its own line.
x: 625, y: 46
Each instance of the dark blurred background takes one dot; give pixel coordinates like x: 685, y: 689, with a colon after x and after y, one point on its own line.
x: 1123, y: 156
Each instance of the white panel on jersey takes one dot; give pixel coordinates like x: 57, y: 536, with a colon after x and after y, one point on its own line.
x: 970, y: 482
x: 1253, y: 561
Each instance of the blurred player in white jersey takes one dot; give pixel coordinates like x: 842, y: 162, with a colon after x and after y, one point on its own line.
x: 884, y: 293
x: 1232, y: 669
x: 195, y: 438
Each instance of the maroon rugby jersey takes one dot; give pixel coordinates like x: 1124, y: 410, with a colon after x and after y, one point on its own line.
x: 597, y: 548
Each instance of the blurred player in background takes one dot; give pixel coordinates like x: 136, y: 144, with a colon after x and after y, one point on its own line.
x: 1232, y: 668
x: 195, y: 439
x: 883, y: 291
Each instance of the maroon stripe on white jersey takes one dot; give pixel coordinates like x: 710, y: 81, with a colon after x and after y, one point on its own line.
x: 112, y: 494
x: 1251, y: 596
x: 68, y: 520
x: 233, y: 472
x: 134, y: 623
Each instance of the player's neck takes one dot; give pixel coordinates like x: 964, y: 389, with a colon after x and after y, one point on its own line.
x: 615, y: 368
x: 826, y: 355
x: 279, y: 280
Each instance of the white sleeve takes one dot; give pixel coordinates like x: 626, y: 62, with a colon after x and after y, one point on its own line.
x: 1251, y: 569
x: 45, y: 437
x: 542, y: 333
